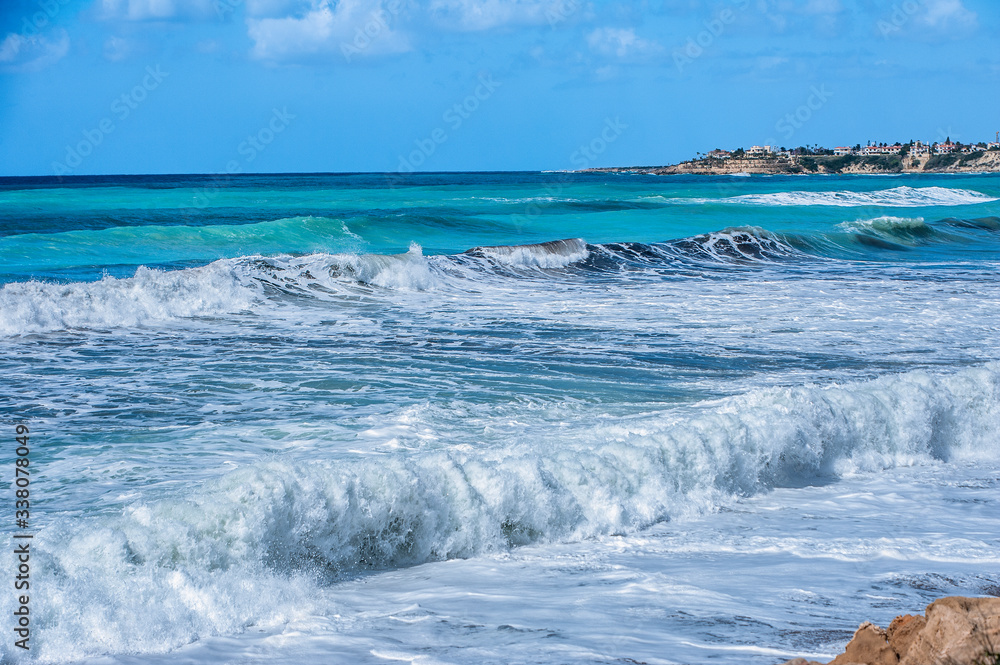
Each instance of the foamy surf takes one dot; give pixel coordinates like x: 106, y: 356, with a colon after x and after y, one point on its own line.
x: 148, y: 297
x: 326, y: 445
x: 254, y: 547
x: 250, y: 284
x: 896, y: 197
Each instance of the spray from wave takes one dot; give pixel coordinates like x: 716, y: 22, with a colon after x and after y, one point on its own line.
x: 259, y: 544
x: 149, y: 296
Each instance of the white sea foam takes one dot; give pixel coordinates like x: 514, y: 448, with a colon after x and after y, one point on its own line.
x: 885, y: 224
x: 407, y: 271
x: 250, y: 547
x: 224, y: 287
x: 741, y: 244
x: 902, y: 197
x: 149, y: 296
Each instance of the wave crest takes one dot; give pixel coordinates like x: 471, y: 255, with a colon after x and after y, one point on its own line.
x: 147, y: 297
x: 552, y: 254
x: 277, y: 520
x: 899, y: 197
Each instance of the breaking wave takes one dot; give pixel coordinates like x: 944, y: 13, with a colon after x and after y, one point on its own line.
x: 147, y: 297
x: 552, y: 254
x: 231, y: 286
x: 899, y: 197
x: 892, y: 232
x: 259, y: 544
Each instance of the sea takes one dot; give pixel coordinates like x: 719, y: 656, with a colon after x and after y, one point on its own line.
x: 476, y: 418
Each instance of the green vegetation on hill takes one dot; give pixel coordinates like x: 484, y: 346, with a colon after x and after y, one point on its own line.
x: 972, y: 156
x: 942, y: 161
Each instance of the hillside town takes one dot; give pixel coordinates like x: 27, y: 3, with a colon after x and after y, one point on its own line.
x: 872, y: 158
x: 913, y: 148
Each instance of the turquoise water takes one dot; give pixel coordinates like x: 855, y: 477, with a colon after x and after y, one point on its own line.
x: 511, y: 417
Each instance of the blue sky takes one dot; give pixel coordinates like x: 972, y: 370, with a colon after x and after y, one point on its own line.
x: 206, y: 86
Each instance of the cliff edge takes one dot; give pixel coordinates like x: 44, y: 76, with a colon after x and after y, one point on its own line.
x: 983, y: 161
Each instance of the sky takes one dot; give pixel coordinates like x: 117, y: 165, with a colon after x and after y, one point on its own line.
x: 213, y: 86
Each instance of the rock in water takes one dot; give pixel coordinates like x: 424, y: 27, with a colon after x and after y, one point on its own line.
x: 957, y: 630
x: 954, y: 631
x: 869, y: 646
x: 903, y: 631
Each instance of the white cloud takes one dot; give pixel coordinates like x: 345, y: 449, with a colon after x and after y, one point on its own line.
x: 474, y: 15
x: 158, y: 10
x: 948, y: 14
x: 30, y: 53
x: 349, y: 28
x: 620, y: 43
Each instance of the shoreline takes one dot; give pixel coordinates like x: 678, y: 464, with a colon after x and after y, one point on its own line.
x: 984, y: 162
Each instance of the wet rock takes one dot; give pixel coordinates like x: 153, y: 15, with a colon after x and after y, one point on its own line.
x: 953, y: 631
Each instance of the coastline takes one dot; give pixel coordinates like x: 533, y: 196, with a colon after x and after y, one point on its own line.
x: 986, y: 161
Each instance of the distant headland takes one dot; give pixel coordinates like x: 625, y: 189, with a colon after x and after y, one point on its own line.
x: 873, y: 158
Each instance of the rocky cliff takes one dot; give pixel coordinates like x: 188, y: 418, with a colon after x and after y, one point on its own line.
x: 986, y: 161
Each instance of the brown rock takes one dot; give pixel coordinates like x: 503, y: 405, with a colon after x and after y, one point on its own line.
x: 958, y: 630
x: 801, y: 661
x: 903, y: 631
x: 955, y: 631
x: 869, y: 646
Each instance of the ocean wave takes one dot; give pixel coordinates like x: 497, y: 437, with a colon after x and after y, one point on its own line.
x: 908, y: 230
x: 134, y: 245
x: 721, y: 250
x: 552, y: 254
x: 149, y: 296
x: 527, y: 199
x: 742, y: 244
x: 983, y: 223
x: 254, y: 546
x: 230, y: 286
x: 409, y: 271
x: 899, y: 197
x: 224, y: 287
